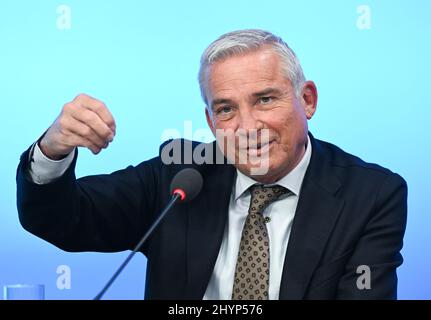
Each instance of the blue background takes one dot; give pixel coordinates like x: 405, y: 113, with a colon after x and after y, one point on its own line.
x: 141, y: 58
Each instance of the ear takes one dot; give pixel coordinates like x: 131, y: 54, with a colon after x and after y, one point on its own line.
x: 210, y: 121
x: 309, y: 98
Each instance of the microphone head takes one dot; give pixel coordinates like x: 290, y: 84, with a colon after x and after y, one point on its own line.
x: 188, y: 183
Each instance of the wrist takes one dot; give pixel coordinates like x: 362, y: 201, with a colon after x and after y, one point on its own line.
x: 49, y: 154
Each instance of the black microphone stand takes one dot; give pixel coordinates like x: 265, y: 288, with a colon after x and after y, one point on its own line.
x: 173, y: 200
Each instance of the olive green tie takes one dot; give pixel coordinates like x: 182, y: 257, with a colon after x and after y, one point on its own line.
x: 251, y: 280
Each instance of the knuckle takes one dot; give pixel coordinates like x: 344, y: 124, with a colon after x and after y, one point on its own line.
x: 62, y: 122
x: 86, y: 131
x: 106, y: 133
x: 80, y: 96
x: 111, y: 124
x: 99, y: 105
x: 68, y: 107
x: 89, y: 117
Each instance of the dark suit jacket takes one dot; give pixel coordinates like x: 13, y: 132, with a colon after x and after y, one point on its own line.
x: 350, y: 213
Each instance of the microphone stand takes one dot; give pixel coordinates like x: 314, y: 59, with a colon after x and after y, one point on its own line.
x: 173, y: 200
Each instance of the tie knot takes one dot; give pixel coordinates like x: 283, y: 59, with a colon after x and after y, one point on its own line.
x: 263, y: 196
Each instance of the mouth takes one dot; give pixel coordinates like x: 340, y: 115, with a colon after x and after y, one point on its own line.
x: 261, y: 147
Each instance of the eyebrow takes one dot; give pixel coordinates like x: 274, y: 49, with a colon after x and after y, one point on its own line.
x: 266, y: 92
x: 258, y: 94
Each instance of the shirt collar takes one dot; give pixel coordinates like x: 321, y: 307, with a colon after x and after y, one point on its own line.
x: 292, y: 181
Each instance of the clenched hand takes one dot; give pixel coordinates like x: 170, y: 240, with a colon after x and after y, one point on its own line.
x: 83, y: 122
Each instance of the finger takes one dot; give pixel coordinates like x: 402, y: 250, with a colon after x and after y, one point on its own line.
x: 81, y: 129
x: 92, y: 120
x: 78, y: 141
x: 99, y: 108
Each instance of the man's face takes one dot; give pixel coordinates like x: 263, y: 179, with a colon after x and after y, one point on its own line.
x: 248, y: 94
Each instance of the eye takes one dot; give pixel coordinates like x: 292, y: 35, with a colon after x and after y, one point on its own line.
x: 223, y: 110
x: 266, y: 100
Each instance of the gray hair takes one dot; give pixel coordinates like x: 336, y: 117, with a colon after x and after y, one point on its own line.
x: 243, y: 41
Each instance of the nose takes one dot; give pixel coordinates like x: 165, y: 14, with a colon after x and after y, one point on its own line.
x: 249, y: 120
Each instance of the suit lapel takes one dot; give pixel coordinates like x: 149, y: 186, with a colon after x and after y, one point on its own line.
x: 316, y: 214
x: 207, y: 216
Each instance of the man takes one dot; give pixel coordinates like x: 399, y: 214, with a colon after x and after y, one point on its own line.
x: 317, y: 223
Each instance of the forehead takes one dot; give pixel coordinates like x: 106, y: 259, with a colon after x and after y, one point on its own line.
x: 247, y: 71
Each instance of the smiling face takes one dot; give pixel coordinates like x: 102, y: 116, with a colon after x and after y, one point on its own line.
x: 249, y: 92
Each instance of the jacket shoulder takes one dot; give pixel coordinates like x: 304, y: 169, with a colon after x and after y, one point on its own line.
x: 344, y: 161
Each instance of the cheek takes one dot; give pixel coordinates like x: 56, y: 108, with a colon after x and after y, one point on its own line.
x: 289, y: 129
x: 226, y: 124
x: 280, y: 124
x: 280, y: 153
x: 290, y: 125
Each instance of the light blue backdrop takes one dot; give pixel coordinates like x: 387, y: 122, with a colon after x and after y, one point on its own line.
x: 141, y: 58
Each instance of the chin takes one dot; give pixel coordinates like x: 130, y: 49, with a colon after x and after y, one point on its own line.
x: 260, y: 174
x: 266, y: 179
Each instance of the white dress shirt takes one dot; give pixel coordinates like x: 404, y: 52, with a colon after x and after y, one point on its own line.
x: 44, y: 170
x: 281, y: 213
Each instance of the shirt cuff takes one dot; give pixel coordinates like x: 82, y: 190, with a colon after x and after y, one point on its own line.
x: 43, y: 170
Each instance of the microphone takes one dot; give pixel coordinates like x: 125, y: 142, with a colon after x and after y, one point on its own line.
x: 185, y: 186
